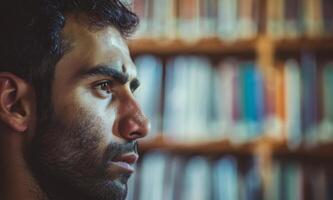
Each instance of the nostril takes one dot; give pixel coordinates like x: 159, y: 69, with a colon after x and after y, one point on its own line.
x: 136, y: 135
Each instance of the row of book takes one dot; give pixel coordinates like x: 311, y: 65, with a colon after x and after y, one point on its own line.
x: 297, y: 18
x: 296, y: 181
x: 238, y: 100
x: 162, y: 176
x: 191, y: 20
x: 232, y: 20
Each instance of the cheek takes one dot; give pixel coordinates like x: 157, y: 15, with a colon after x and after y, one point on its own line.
x: 100, y: 113
x: 105, y: 118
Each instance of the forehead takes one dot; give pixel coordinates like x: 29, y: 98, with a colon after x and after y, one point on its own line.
x: 90, y: 47
x: 79, y: 32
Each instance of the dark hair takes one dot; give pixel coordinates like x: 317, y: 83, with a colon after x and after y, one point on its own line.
x: 30, y: 35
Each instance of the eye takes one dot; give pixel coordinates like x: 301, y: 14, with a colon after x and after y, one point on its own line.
x: 104, y: 88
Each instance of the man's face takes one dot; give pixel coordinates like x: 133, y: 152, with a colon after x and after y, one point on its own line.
x: 87, y: 149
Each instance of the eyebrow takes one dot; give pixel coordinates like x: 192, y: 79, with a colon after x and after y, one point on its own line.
x: 103, y: 70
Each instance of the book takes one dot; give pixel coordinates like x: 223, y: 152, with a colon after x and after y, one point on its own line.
x: 292, y: 20
x: 313, y: 18
x: 197, y: 182
x: 152, y: 176
x: 225, y: 179
x: 208, y: 18
x: 164, y: 22
x: 247, y: 24
x: 174, y: 177
x: 293, y: 102
x: 226, y: 85
x: 189, y: 20
x: 326, y: 127
x: 186, y: 109
x: 327, y: 15
x: 251, y: 101
x: 175, y: 95
x: 275, y: 18
x: 309, y: 98
x: 227, y: 20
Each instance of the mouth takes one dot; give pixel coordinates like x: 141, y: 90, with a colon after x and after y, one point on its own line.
x: 123, y: 164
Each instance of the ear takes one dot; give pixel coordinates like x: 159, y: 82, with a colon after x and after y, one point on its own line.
x: 16, y: 102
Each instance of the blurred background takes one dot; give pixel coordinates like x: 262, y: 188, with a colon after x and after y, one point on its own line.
x: 239, y: 94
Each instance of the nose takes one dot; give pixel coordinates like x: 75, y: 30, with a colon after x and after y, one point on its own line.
x: 132, y: 123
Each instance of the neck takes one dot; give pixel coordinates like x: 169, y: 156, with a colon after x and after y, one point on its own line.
x: 17, y: 182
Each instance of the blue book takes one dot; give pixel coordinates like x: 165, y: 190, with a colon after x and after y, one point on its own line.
x: 310, y: 113
x: 251, y: 99
x: 225, y: 179
x: 253, y: 184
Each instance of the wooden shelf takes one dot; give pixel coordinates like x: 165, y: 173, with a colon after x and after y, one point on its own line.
x: 218, y: 47
x: 204, y: 46
x: 216, y: 147
x: 276, y: 148
x: 321, y: 44
x: 319, y: 152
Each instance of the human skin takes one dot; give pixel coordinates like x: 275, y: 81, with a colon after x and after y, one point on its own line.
x: 87, y: 150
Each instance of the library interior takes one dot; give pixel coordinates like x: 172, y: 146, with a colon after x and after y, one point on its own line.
x: 239, y: 94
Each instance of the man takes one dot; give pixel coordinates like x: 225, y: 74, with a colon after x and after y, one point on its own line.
x: 68, y: 118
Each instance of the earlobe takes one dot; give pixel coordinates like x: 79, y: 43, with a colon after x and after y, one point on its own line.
x: 15, y: 102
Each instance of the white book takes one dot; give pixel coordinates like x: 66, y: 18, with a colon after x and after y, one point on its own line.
x: 293, y: 102
x: 191, y: 104
x: 227, y: 72
x: 176, y: 98
x: 149, y: 70
x: 203, y: 115
x: 227, y: 20
x: 198, y: 98
x: 196, y: 180
x: 152, y: 176
x: 163, y: 20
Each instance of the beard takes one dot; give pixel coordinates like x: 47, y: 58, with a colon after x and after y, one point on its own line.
x: 68, y: 161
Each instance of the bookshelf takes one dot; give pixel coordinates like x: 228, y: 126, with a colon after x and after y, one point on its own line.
x: 214, y: 46
x: 277, y: 156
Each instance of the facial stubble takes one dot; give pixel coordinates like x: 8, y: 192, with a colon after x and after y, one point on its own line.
x: 67, y: 160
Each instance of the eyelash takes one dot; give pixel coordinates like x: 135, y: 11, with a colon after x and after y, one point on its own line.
x: 105, y: 87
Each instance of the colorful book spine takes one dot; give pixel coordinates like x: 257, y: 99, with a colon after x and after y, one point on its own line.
x: 293, y: 103
x: 309, y: 98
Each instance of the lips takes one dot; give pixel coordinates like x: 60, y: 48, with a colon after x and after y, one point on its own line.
x: 123, y: 164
